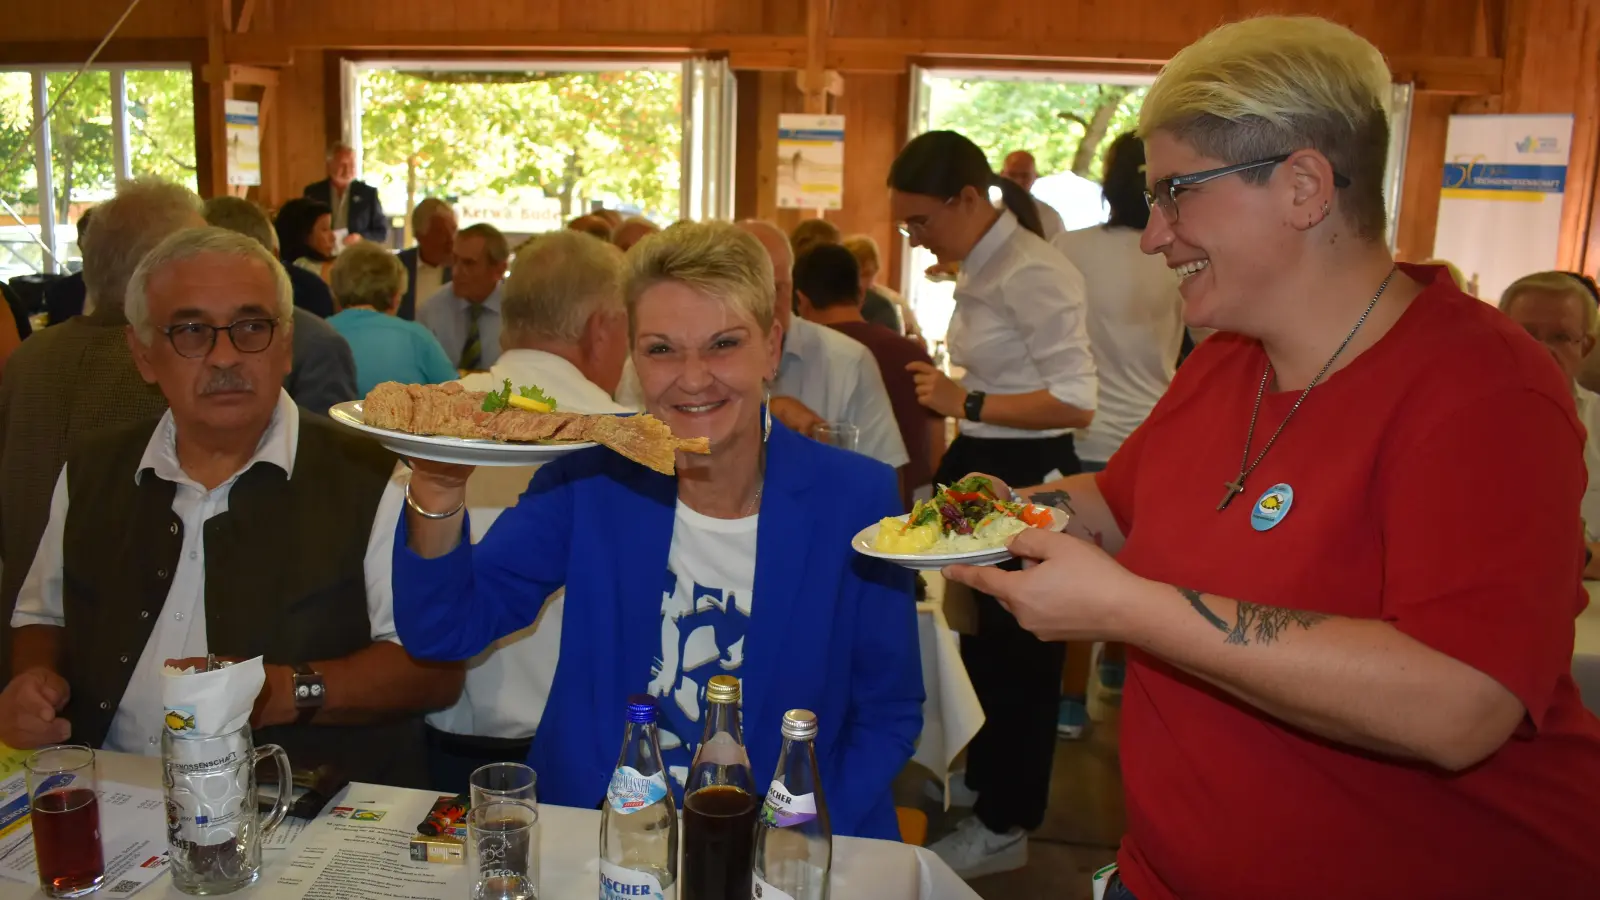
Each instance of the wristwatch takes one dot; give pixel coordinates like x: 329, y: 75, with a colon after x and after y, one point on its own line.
x: 309, y: 693
x: 974, y: 406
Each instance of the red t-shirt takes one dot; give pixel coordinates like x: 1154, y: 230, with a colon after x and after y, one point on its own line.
x: 1436, y: 485
x: 893, y: 352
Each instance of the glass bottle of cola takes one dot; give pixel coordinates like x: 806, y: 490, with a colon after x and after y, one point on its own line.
x: 794, y: 843
x: 639, y: 823
x: 719, y: 803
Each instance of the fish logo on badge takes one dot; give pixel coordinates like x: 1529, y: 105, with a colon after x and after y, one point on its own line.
x: 1272, y: 507
x: 180, y: 719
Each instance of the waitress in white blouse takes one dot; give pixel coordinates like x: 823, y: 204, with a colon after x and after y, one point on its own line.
x: 1018, y: 332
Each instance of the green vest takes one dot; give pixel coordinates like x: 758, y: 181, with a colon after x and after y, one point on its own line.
x: 285, y: 579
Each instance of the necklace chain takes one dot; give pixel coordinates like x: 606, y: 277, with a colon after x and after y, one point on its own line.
x: 1245, y: 465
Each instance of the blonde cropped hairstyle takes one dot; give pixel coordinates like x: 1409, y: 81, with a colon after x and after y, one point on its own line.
x: 367, y: 274
x: 558, y: 281
x: 1273, y: 85
x: 718, y: 259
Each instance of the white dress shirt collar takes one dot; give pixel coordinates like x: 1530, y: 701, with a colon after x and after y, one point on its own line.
x: 984, y: 250
x: 556, y: 376
x: 276, y: 447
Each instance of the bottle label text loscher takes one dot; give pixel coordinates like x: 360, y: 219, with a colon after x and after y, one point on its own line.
x: 785, y: 810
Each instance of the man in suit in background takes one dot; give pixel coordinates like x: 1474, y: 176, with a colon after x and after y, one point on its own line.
x: 355, y: 205
x: 433, y: 224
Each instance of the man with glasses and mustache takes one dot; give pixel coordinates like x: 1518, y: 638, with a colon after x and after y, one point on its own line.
x: 235, y: 525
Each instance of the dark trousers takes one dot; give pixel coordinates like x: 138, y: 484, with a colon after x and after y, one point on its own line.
x: 452, y: 758
x: 1016, y: 675
x: 1116, y: 890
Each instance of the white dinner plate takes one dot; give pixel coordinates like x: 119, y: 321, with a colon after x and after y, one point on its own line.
x: 928, y: 562
x: 463, y: 451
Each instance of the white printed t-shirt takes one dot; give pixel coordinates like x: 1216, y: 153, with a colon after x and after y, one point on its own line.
x: 705, y: 613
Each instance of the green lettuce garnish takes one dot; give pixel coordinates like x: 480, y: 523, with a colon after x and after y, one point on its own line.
x: 494, y: 401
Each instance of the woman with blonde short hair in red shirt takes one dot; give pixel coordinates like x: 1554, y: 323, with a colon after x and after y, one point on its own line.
x: 1345, y: 547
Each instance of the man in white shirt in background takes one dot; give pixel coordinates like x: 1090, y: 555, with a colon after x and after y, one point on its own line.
x: 1020, y: 168
x: 825, y: 377
x: 565, y: 331
x: 1559, y: 311
x: 433, y: 226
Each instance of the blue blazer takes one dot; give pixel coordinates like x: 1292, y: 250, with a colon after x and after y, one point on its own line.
x: 408, y: 300
x: 830, y: 630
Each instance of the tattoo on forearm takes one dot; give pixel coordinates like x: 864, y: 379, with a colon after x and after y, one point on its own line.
x: 1063, y: 501
x: 1193, y: 596
x: 1268, y: 623
x: 1265, y: 624
x: 1059, y: 499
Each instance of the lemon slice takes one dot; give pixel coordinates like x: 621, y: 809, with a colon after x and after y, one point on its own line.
x: 528, y: 403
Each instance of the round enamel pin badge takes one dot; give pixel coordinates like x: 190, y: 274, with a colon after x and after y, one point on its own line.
x: 1272, y: 507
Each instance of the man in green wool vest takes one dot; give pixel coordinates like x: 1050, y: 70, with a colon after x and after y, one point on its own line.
x: 234, y: 525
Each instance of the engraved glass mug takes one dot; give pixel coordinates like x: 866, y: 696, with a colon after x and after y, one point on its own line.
x: 214, y: 827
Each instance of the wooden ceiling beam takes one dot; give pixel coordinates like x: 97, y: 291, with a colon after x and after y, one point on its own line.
x: 275, y: 49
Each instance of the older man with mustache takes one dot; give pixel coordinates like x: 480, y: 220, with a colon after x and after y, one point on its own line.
x: 236, y: 524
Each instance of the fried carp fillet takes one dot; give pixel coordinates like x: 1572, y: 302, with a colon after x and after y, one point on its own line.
x: 449, y: 411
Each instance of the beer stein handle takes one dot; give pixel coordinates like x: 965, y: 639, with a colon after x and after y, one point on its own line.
x: 285, y: 786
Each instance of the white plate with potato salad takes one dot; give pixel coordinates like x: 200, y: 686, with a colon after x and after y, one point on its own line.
x: 962, y: 524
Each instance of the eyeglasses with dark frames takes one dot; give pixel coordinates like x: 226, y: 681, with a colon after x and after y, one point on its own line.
x: 1164, y: 193
x: 196, y: 340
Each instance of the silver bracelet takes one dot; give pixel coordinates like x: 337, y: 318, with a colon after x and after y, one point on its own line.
x: 432, y: 515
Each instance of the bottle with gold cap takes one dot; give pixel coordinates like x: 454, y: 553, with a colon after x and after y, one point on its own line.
x: 719, y: 804
x: 794, y: 842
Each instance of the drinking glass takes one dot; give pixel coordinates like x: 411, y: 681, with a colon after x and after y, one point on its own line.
x: 504, y: 781
x: 65, y: 798
x: 503, y: 850
x: 840, y: 434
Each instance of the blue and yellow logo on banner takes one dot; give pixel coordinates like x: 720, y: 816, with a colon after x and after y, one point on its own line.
x: 1503, y: 181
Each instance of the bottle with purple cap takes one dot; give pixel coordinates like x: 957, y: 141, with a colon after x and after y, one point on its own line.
x: 639, y: 824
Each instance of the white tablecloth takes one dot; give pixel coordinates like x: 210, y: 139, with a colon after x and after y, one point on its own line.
x: 569, y: 838
x: 1586, y: 650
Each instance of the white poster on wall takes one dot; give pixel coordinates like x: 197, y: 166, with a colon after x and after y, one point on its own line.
x: 810, y: 162
x: 243, y: 119
x: 1500, y: 211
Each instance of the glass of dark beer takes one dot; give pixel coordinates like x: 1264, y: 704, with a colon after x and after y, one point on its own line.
x: 65, y: 798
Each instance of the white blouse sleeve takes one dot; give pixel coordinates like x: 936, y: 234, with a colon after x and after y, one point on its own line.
x: 1049, y: 305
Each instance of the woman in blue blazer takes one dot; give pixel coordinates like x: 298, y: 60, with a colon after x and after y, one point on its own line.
x: 741, y: 564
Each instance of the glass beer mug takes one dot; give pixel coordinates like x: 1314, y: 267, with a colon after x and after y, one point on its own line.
x: 214, y: 826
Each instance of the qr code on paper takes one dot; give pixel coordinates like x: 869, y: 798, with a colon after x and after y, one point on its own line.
x: 125, y: 886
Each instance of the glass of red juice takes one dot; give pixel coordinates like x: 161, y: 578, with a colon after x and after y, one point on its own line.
x: 65, y: 798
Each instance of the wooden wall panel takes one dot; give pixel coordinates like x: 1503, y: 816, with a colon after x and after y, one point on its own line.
x: 1424, y: 175
x: 1428, y: 27
x: 874, y: 109
x: 301, y: 136
x: 91, y: 19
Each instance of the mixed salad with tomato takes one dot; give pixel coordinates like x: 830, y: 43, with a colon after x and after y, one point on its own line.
x: 964, y: 507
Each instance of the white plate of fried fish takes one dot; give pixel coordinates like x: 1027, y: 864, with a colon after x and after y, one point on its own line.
x: 445, y: 423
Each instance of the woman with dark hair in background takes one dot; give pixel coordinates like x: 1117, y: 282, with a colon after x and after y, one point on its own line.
x: 1135, y: 329
x: 1018, y: 332
x: 305, y: 235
